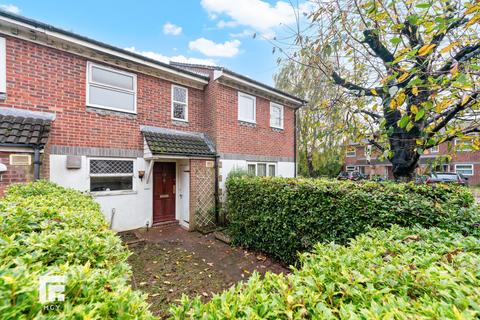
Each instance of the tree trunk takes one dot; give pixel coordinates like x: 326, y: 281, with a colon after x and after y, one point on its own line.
x: 309, y: 158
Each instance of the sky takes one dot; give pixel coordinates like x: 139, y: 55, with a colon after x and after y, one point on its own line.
x: 215, y: 32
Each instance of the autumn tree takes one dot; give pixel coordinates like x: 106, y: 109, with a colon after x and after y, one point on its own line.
x: 413, y: 65
x: 321, y: 123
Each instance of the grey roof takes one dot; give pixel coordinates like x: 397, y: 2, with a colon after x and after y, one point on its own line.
x: 189, y: 65
x: 37, y: 24
x: 163, y: 141
x: 24, y: 128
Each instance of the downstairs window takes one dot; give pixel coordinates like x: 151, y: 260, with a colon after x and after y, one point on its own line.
x: 111, y: 175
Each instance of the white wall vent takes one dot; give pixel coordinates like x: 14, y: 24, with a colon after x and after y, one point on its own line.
x: 20, y: 159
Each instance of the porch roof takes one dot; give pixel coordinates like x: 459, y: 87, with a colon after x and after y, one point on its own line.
x: 163, y: 141
x: 20, y: 127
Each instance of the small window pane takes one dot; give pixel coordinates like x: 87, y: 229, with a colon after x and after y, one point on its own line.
x: 112, y: 78
x: 112, y: 98
x: 251, y: 169
x: 111, y: 167
x: 271, y: 170
x: 110, y: 183
x: 276, y: 116
x: 179, y: 111
x: 246, y: 108
x: 179, y: 94
x: 465, y: 169
x: 261, y: 169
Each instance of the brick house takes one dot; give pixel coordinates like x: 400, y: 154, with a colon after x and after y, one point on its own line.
x: 152, y: 142
x: 364, y: 158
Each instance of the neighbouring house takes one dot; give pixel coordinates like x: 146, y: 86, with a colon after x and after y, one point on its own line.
x: 364, y: 158
x: 152, y: 142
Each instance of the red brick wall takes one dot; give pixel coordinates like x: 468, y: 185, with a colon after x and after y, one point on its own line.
x: 14, y: 174
x: 45, y: 79
x: 260, y: 139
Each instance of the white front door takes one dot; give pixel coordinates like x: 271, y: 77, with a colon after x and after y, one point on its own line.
x: 184, y: 194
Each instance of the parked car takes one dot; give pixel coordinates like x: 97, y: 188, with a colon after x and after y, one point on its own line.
x: 421, y: 179
x: 351, y: 175
x: 447, y: 177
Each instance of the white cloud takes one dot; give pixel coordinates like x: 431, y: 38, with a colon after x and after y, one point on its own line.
x: 166, y: 59
x: 10, y: 8
x: 226, y: 24
x: 170, y: 28
x: 209, y: 48
x: 245, y: 33
x: 257, y: 14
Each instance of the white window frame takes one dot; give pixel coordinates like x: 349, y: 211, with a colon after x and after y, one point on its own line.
x: 435, y: 149
x: 276, y: 105
x: 3, y: 66
x: 456, y: 141
x: 267, y: 165
x: 240, y: 94
x: 351, y: 155
x: 465, y: 164
x: 113, y: 192
x: 353, y: 170
x: 186, y: 103
x: 90, y: 65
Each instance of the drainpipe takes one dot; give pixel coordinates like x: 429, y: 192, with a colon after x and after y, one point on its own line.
x: 216, y: 191
x: 295, y: 143
x: 36, y: 162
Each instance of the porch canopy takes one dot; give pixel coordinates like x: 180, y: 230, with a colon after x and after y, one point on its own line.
x: 161, y: 142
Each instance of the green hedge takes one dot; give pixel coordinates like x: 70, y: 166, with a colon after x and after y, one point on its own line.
x: 384, y: 274
x: 281, y: 216
x: 48, y: 230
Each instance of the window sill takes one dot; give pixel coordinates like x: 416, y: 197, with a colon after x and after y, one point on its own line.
x: 180, y: 123
x: 108, y: 111
x: 247, y: 123
x: 112, y: 193
x: 277, y: 129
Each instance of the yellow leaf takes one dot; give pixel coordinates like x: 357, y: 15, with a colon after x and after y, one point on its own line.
x: 465, y: 99
x: 454, y: 70
x: 374, y: 92
x: 426, y: 49
x: 415, y: 91
x: 449, y: 47
x: 403, y: 77
x: 414, y: 109
x: 472, y: 9
x: 400, y: 99
x: 473, y: 20
x: 393, y: 104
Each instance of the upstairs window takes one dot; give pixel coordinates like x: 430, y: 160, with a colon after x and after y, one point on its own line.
x: 3, y: 68
x: 435, y: 149
x: 351, y: 152
x: 246, y: 107
x: 111, y: 175
x: 276, y: 116
x: 179, y: 103
x: 112, y: 89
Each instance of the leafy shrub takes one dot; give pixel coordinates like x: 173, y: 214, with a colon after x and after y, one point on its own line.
x: 384, y: 274
x: 281, y: 216
x: 49, y: 230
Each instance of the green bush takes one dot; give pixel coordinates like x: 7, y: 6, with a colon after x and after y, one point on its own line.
x: 384, y: 274
x: 49, y: 230
x: 281, y: 216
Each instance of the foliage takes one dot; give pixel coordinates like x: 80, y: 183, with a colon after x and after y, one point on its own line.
x: 385, y: 274
x: 321, y: 123
x: 327, y: 163
x: 412, y: 65
x: 49, y: 230
x: 284, y: 216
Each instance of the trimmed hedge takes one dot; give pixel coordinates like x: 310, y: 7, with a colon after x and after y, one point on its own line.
x: 48, y: 230
x: 384, y: 274
x: 282, y: 216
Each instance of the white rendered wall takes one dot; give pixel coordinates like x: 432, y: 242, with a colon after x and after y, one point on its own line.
x: 133, y: 209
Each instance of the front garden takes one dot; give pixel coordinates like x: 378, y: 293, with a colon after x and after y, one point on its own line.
x: 377, y: 250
